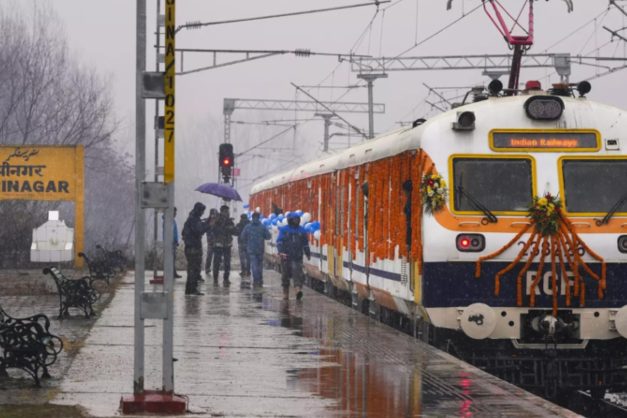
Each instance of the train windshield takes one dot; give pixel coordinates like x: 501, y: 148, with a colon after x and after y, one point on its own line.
x: 498, y: 184
x: 595, y: 185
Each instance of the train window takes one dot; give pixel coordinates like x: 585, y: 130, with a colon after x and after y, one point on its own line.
x: 594, y: 185
x: 498, y: 184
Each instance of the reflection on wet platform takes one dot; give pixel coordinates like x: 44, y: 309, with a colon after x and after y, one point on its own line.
x: 372, y: 370
x: 246, y: 352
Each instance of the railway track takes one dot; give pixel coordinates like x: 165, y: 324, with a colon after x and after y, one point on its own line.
x: 583, y: 404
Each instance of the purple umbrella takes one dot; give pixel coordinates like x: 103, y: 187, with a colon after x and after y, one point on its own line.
x: 224, y: 191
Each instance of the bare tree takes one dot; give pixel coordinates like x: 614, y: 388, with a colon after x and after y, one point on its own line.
x: 48, y: 98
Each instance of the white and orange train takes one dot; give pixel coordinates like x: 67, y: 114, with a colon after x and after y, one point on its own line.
x: 464, y: 276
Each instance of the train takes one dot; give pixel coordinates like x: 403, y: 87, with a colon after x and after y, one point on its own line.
x: 496, y: 231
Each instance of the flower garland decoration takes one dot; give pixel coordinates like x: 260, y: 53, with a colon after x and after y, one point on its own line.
x: 545, y: 213
x: 554, y: 243
x: 433, y: 190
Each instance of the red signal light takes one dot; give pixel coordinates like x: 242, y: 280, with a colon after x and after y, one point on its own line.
x: 226, y: 157
x: 470, y: 243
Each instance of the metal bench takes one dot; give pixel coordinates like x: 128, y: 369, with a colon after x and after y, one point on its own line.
x: 27, y: 344
x: 113, y: 261
x: 97, y: 270
x: 73, y: 293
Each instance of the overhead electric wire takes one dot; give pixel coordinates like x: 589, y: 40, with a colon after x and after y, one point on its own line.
x: 356, y: 129
x: 439, y: 31
x: 576, y: 30
x: 272, y: 122
x: 196, y: 25
x: 593, y: 34
x: 381, y: 33
x: 613, y: 3
x: 416, y: 25
x: 363, y: 33
x: 597, y: 49
x: 353, y: 47
x: 395, y: 3
x: 610, y: 70
x: 266, y: 141
x: 413, y: 110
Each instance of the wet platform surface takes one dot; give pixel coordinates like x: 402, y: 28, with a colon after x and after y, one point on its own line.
x: 243, y: 352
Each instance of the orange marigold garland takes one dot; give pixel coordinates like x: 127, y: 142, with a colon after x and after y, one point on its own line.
x: 554, y: 236
x: 433, y: 190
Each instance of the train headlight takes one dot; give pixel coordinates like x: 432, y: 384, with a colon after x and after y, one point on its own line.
x: 544, y: 107
x: 465, y: 121
x: 622, y: 243
x: 470, y: 243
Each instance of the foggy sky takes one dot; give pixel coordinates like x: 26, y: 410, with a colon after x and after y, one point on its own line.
x: 102, y: 35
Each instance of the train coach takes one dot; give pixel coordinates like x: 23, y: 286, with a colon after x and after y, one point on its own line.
x: 496, y: 230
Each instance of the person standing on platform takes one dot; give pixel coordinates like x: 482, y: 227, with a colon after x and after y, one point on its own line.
x: 223, y: 232
x: 175, y: 241
x: 193, y: 230
x: 292, y: 243
x: 243, y: 258
x: 252, y: 238
x: 213, y: 216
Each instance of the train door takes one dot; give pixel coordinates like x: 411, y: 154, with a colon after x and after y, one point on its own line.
x: 319, y: 216
x: 331, y: 242
x: 364, y: 189
x: 408, y: 269
x: 349, y: 226
x: 339, y: 218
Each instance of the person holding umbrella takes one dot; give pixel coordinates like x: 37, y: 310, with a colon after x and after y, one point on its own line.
x: 193, y: 230
x: 223, y: 232
x: 213, y: 216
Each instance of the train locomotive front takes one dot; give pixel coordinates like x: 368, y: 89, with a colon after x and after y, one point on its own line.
x: 496, y: 231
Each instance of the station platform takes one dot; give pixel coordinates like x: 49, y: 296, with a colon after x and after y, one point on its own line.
x: 248, y: 353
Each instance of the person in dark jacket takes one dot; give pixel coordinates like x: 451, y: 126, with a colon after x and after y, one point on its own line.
x: 222, y: 232
x: 253, y: 237
x: 292, y: 243
x: 213, y: 216
x: 243, y: 258
x: 193, y: 231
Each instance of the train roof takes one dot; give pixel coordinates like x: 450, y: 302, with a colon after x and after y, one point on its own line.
x: 503, y: 112
x: 388, y: 144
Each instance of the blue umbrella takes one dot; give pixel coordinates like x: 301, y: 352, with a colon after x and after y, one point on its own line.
x: 224, y: 191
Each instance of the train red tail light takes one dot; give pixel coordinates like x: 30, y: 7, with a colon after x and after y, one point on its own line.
x: 470, y: 243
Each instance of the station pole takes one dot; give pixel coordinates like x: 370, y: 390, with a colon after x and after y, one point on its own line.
x: 154, y: 305
x: 140, y: 221
x: 370, y: 78
x: 168, y: 178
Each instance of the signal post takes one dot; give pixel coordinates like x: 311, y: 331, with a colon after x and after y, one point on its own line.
x: 156, y: 195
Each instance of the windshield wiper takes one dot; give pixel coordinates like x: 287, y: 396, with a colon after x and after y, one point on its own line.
x: 612, y: 211
x: 489, y: 216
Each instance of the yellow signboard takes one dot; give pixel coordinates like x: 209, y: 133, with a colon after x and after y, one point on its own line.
x: 170, y: 73
x: 40, y: 172
x: 45, y: 172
